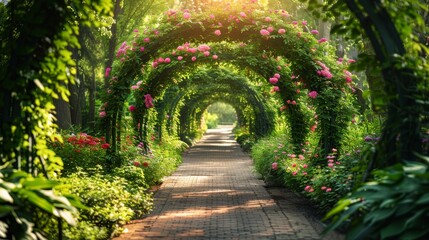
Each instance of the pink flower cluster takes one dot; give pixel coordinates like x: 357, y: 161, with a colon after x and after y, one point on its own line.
x: 186, y: 15
x: 148, y: 101
x: 296, y: 167
x: 274, y: 166
x: 331, y: 161
x: 274, y: 79
x: 275, y: 89
x: 341, y: 61
x: 325, y: 70
x: 137, y: 86
x: 102, y: 112
x: 122, y: 49
x: 322, y: 40
x: 348, y: 76
x: 293, y: 102
x: 187, y: 48
x: 264, y: 32
x: 326, y: 189
x: 313, y: 94
x: 156, y: 62
x: 106, y: 74
x: 309, y: 188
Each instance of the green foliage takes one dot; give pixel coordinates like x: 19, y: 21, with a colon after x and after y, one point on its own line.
x: 37, y: 66
x: 244, y: 138
x: 26, y: 203
x: 111, y: 200
x: 266, y: 152
x: 135, y: 178
x: 226, y: 113
x: 325, y: 183
x: 212, y: 120
x: 393, y: 206
x: 305, y: 58
x: 161, y: 161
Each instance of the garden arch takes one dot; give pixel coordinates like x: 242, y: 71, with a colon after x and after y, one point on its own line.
x: 213, y: 83
x: 257, y: 67
x: 312, y: 61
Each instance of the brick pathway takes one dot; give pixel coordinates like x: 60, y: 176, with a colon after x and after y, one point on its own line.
x: 214, y: 194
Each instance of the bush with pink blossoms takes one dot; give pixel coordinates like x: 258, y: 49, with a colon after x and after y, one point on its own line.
x: 280, y: 164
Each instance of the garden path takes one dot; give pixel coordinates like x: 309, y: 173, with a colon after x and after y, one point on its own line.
x: 214, y: 194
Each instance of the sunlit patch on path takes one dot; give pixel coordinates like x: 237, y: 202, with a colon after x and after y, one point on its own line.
x: 214, y: 194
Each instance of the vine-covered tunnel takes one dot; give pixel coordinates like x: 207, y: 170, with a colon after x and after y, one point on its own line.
x: 354, y: 144
x: 265, y: 64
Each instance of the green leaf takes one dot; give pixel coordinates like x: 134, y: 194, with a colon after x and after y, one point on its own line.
x: 388, y: 203
x: 424, y: 199
x: 383, y: 193
x: 415, y: 234
x: 342, y: 205
x: 415, y: 168
x: 75, y: 202
x: 39, y: 183
x: 404, y: 208
x: 37, y: 201
x: 379, y: 215
x: 5, y: 210
x: 423, y: 157
x: 393, y: 229
x: 341, y: 219
x: 415, y: 218
x: 360, y: 231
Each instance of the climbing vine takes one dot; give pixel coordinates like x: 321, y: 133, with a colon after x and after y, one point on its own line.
x: 185, y: 39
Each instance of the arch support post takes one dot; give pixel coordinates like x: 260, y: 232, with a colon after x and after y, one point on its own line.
x: 400, y: 139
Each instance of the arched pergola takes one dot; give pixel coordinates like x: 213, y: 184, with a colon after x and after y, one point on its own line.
x: 311, y: 61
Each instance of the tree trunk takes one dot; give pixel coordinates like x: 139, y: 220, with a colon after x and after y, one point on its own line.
x: 91, y: 100
x: 324, y: 27
x: 63, y: 115
x: 74, y: 104
x: 82, y: 100
x: 113, y: 39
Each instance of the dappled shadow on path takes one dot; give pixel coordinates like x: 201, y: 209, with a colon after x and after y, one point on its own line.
x: 215, y: 195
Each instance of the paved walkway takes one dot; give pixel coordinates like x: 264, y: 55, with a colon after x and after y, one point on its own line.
x: 214, y: 194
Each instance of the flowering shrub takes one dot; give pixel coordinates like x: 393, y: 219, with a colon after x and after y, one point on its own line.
x: 280, y: 164
x: 267, y: 155
x: 81, y: 151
